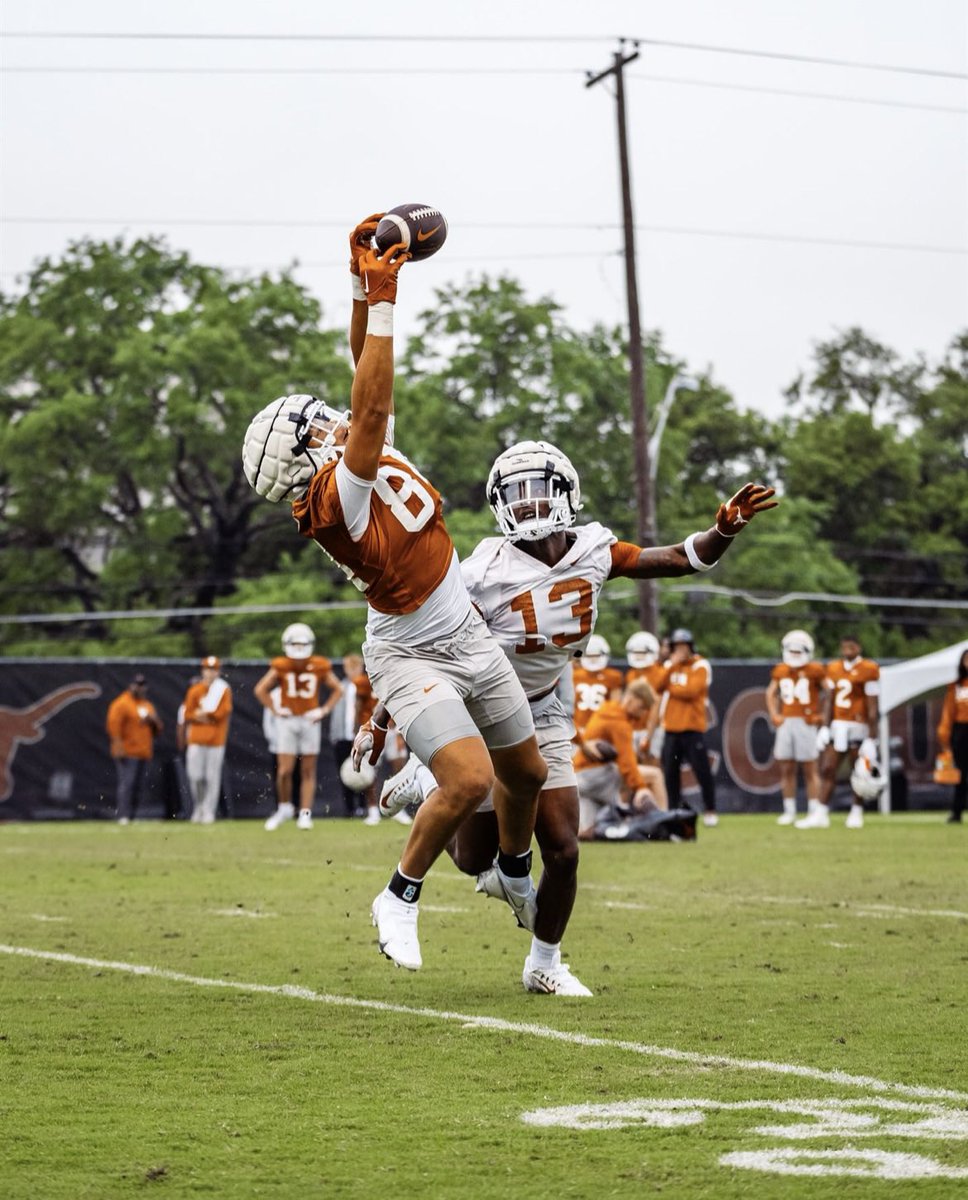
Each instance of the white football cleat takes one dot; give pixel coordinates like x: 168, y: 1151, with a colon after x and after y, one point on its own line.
x: 305, y: 819
x: 855, y: 818
x: 285, y: 812
x: 396, y: 926
x: 402, y: 817
x: 787, y: 818
x: 818, y: 819
x: 372, y: 817
x: 525, y: 908
x: 710, y: 819
x: 557, y: 980
x: 401, y: 789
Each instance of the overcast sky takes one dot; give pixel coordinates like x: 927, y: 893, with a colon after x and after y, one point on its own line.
x: 766, y: 219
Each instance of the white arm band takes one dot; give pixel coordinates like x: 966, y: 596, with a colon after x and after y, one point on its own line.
x: 358, y: 293
x: 694, y: 560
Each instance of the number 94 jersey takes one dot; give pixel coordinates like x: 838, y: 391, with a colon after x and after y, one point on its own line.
x: 541, y: 615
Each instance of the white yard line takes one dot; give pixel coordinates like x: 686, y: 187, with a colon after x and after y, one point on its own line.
x: 499, y: 1025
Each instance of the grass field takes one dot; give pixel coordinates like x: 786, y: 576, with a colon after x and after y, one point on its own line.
x: 202, y: 1011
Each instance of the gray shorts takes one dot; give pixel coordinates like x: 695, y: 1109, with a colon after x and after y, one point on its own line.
x: 845, y: 734
x: 598, y: 787
x: 460, y: 687
x: 298, y: 735
x: 554, y: 730
x: 796, y: 741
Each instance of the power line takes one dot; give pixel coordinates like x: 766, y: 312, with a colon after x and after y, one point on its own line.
x: 484, y: 71
x: 503, y: 39
x: 603, y: 227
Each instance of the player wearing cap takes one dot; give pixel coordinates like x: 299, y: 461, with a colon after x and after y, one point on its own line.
x: 132, y: 726
x: 208, y: 710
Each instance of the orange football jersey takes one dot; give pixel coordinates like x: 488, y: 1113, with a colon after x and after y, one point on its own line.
x: 592, y: 689
x: 405, y: 551
x: 610, y: 723
x: 801, y: 690
x: 851, y: 687
x: 653, y: 676
x: 299, y: 680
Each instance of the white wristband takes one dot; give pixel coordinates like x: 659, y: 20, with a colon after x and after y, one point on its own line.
x: 379, y: 321
x: 358, y: 293
x: 694, y: 560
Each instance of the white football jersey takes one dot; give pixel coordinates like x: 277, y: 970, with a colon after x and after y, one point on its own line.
x: 542, y: 616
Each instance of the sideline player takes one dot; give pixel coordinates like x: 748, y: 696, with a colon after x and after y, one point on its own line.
x: 429, y: 657
x: 594, y: 682
x: 796, y: 700
x: 645, y: 661
x: 298, y: 674
x: 537, y: 587
x: 854, y: 683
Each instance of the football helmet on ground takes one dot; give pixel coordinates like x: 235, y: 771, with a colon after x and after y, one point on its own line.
x: 533, y: 491
x: 642, y: 649
x: 797, y: 647
x: 596, y: 654
x: 298, y: 640
x: 866, y: 780
x: 287, y: 443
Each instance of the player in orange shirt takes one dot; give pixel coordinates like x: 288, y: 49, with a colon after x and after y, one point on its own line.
x: 298, y: 674
x: 854, y: 684
x: 796, y: 700
x: 593, y: 681
x: 132, y: 725
x: 643, y: 652
x: 684, y: 691
x: 444, y: 680
x: 208, y: 710
x: 953, y: 735
x: 600, y: 783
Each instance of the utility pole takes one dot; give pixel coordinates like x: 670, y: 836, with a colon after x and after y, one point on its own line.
x: 644, y: 489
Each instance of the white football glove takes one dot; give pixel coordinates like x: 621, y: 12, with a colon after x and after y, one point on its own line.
x: 823, y: 738
x: 868, y: 749
x: 368, y: 743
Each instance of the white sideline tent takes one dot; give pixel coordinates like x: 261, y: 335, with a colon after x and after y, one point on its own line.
x: 903, y: 682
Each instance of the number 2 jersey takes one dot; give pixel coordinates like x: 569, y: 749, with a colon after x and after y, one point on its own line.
x: 852, y: 683
x: 544, y: 615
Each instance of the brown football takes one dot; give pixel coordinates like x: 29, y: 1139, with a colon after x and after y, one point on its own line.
x: 421, y: 228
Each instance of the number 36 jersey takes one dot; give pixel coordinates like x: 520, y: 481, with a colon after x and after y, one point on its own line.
x: 543, y: 615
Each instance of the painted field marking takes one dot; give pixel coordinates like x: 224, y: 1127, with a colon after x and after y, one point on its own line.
x: 241, y: 912
x: 498, y: 1024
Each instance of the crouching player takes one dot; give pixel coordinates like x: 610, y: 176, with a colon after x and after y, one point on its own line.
x: 537, y: 588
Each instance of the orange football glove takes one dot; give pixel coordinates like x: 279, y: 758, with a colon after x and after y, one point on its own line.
x: 740, y: 509
x: 378, y: 273
x: 361, y: 239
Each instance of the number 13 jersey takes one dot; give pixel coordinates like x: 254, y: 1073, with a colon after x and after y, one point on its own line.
x: 543, y: 615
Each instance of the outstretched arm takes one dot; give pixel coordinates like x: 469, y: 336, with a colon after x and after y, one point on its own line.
x: 700, y: 551
x: 360, y: 241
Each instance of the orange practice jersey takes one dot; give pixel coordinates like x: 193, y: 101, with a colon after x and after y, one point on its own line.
x: 686, y: 687
x: 592, y: 689
x: 610, y: 723
x: 653, y: 676
x: 800, y: 690
x: 128, y: 725
x: 851, y: 687
x: 207, y: 733
x: 365, y: 700
x: 405, y: 551
x: 299, y: 680
x: 954, y: 711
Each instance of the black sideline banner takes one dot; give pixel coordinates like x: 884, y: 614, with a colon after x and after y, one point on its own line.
x: 54, y: 760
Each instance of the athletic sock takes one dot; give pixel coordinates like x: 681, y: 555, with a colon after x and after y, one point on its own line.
x: 405, y: 888
x: 544, y: 954
x: 789, y: 806
x: 515, y: 869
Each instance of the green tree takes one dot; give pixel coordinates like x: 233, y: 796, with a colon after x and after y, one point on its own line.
x: 128, y: 375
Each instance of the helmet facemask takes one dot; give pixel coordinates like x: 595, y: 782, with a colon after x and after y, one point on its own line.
x: 797, y: 648
x: 289, y: 441
x: 533, y: 491
x: 298, y: 641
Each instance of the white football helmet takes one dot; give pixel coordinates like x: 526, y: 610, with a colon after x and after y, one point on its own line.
x: 596, y: 653
x: 298, y: 640
x: 797, y: 646
x: 287, y: 443
x: 533, y: 491
x: 866, y: 780
x: 642, y: 649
